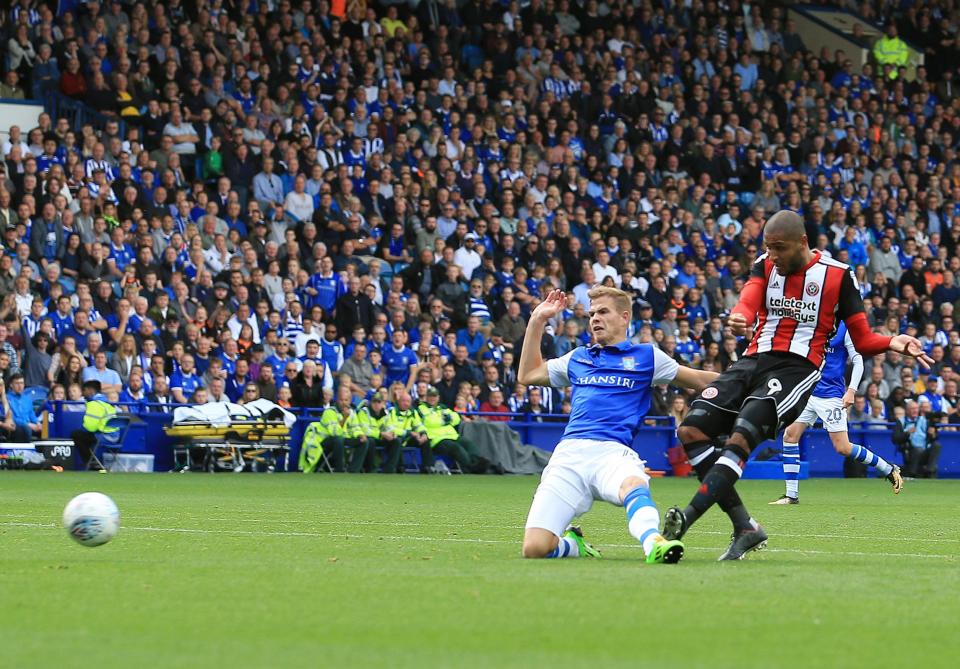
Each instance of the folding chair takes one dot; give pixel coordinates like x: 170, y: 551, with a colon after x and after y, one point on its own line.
x: 451, y: 464
x: 324, y: 464
x: 111, y: 442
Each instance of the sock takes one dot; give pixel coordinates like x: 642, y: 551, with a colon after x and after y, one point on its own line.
x: 702, y: 456
x: 791, y: 468
x: 643, y: 519
x: 718, y: 483
x: 567, y: 548
x: 871, y: 459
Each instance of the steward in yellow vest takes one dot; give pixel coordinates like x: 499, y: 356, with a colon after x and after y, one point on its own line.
x: 97, y: 413
x: 398, y: 427
x: 891, y: 50
x: 339, y: 428
x: 440, y: 424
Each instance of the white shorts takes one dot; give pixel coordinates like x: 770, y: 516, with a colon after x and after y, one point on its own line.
x: 828, y: 409
x: 580, y: 471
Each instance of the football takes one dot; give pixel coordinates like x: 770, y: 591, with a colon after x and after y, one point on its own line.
x: 92, y: 519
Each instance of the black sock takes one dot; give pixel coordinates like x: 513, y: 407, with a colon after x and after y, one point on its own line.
x: 730, y: 503
x: 717, y: 484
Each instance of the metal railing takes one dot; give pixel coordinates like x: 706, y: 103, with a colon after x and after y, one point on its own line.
x: 78, y: 114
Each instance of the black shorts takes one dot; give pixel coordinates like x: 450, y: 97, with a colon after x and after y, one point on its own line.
x: 781, y: 378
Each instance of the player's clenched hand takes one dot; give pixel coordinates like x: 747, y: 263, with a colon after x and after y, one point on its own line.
x: 848, y: 398
x: 911, y: 346
x: 738, y: 323
x: 554, y: 303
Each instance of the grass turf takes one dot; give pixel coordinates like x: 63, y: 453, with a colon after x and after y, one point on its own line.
x: 373, y: 571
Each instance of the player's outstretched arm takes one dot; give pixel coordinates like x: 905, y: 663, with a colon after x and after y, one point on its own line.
x: 533, y: 370
x: 694, y: 379
x: 870, y: 343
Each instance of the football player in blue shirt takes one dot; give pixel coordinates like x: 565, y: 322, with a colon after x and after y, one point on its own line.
x: 611, y: 383
x: 830, y: 400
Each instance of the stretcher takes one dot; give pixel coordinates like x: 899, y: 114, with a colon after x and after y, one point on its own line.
x: 232, y: 446
x: 232, y: 436
x: 239, y: 431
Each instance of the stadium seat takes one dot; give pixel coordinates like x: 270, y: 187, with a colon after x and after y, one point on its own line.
x: 411, y: 460
x: 37, y: 395
x: 471, y: 55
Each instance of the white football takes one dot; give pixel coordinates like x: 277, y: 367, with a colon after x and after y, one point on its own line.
x: 92, y: 519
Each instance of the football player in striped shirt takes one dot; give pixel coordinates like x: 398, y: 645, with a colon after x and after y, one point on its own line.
x: 797, y: 298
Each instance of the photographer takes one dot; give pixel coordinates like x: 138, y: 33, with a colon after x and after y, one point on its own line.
x: 916, y: 438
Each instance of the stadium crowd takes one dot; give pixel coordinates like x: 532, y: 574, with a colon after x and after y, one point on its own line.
x: 289, y: 197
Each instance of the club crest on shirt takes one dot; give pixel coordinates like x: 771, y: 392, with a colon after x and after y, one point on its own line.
x: 629, y: 363
x: 812, y: 289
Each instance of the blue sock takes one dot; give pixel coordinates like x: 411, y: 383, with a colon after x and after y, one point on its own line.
x: 643, y: 519
x: 869, y: 458
x: 566, y: 548
x: 791, y: 468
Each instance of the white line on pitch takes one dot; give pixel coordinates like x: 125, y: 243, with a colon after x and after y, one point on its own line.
x: 185, y: 530
x: 394, y: 523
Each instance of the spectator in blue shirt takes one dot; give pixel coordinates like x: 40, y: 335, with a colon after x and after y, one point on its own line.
x: 121, y: 253
x: 856, y: 251
x: 748, y: 72
x: 184, y: 382
x: 134, y: 396
x: 399, y: 361
x: 21, y: 406
x: 108, y: 378
x: 471, y: 336
x: 237, y: 381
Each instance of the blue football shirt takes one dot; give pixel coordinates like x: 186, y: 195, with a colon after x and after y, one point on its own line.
x: 833, y: 376
x: 611, y: 388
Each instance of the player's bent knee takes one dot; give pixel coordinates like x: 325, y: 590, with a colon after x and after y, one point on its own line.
x: 688, y: 434
x: 632, y: 483
x: 793, y: 433
x: 744, y: 436
x: 538, y: 543
x: 756, y: 423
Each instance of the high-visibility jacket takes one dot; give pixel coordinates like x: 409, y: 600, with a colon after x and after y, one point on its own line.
x: 98, y: 412
x: 402, y: 423
x: 439, y: 422
x: 370, y: 424
x: 311, y: 449
x: 892, y: 51
x: 330, y: 424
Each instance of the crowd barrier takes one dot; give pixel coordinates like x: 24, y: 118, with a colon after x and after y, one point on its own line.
x: 654, y: 439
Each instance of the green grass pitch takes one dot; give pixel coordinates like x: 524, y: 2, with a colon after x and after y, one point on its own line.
x: 413, y: 571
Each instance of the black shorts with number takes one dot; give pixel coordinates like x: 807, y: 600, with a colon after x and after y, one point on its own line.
x: 782, y: 379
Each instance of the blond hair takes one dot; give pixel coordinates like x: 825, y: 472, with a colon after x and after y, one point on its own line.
x: 621, y: 300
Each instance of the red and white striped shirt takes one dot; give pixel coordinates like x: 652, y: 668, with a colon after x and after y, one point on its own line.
x: 799, y: 313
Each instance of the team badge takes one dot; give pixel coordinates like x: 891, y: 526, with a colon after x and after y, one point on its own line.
x: 628, y: 363
x: 813, y: 289
x: 710, y: 393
